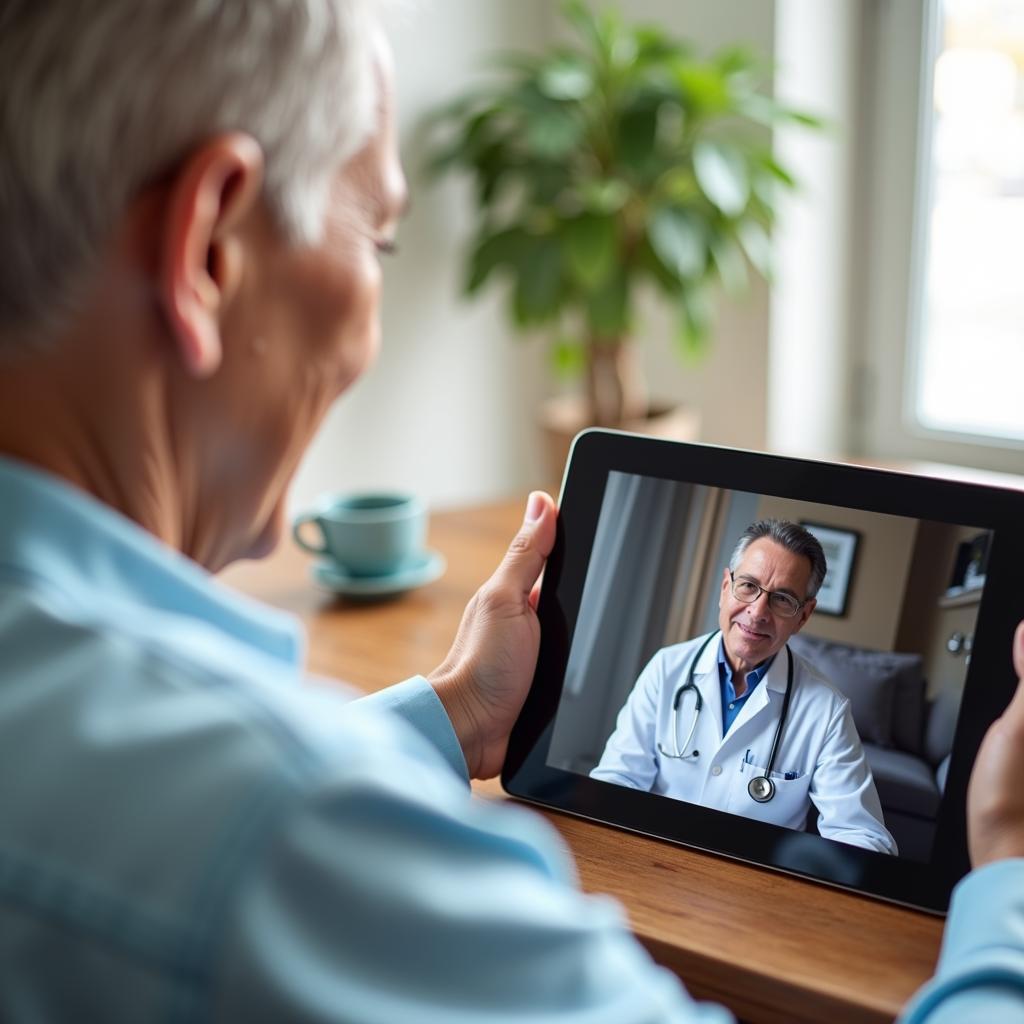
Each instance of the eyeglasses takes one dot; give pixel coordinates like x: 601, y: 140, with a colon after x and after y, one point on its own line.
x: 782, y: 604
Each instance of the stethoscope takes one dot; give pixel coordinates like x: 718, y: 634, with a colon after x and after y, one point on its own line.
x: 761, y: 788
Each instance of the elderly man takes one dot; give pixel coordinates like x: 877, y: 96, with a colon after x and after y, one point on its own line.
x: 728, y: 721
x: 193, y: 196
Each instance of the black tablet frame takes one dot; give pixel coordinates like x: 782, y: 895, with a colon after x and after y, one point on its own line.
x: 988, y: 688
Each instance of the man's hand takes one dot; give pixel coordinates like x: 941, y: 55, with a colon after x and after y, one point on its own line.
x: 483, y: 681
x: 995, y: 796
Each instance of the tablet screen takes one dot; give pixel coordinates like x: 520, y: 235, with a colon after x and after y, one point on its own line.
x: 759, y: 672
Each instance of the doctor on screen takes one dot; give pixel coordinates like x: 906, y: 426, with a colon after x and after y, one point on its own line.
x: 735, y: 720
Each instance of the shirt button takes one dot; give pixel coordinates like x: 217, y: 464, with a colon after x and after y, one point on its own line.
x: 716, y: 769
x: 732, y: 707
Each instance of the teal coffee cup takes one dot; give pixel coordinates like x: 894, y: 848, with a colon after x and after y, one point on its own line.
x: 365, y: 534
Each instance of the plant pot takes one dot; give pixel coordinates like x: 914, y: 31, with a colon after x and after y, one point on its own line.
x: 563, y: 417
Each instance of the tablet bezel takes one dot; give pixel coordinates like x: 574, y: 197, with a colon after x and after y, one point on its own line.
x: 597, y: 453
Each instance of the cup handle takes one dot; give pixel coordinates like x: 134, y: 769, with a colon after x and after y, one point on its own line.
x: 300, y: 522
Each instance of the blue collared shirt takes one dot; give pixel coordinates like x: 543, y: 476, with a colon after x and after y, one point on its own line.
x: 191, y: 830
x: 731, y: 704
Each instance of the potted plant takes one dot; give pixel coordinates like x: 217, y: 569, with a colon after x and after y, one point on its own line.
x: 622, y: 161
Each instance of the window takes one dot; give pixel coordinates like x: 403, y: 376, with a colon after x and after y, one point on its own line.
x: 939, y: 318
x: 969, y: 366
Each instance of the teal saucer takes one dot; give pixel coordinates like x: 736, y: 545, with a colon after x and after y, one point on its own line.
x: 418, y: 572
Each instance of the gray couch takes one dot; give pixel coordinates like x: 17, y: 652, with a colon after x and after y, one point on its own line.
x: 906, y: 737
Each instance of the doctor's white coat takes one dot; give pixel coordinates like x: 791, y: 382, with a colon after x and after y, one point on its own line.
x: 819, y: 760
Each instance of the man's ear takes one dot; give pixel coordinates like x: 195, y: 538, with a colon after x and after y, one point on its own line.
x: 200, y: 250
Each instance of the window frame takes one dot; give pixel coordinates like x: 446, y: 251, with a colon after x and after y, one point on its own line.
x: 902, y: 40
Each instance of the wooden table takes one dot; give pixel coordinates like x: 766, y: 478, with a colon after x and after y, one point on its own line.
x: 774, y: 949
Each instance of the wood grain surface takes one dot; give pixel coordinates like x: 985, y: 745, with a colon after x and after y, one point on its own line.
x: 775, y: 949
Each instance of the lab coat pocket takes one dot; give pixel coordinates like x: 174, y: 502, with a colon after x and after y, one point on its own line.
x: 787, y: 807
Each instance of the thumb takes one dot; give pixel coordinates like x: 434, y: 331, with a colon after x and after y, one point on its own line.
x: 531, y: 546
x: 1013, y: 716
x: 1018, y: 651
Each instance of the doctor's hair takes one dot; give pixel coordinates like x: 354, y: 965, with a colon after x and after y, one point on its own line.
x: 100, y: 99
x: 792, y: 537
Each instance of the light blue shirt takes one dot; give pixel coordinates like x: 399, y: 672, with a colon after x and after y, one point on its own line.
x: 980, y: 975
x: 731, y: 704
x: 192, y: 830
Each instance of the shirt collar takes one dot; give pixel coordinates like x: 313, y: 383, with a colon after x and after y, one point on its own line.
x: 754, y: 676
x: 88, y: 552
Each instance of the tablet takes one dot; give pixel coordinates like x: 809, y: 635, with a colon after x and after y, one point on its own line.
x: 844, y: 755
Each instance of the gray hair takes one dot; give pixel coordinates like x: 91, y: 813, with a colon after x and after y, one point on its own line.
x: 792, y: 537
x: 98, y: 98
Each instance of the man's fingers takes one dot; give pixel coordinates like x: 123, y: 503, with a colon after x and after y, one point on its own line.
x: 531, y: 546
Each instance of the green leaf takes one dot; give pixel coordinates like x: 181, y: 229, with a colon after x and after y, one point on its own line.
x: 728, y: 259
x: 608, y: 312
x: 475, y: 129
x: 704, y: 87
x: 545, y: 181
x: 759, y: 109
x: 553, y: 134
x: 768, y: 111
x: 491, y: 252
x: 768, y: 177
x: 539, y: 279
x: 647, y: 260
x: 621, y: 46
x: 579, y: 15
x: 568, y: 357
x: 722, y: 175
x: 757, y: 246
x: 491, y: 163
x: 591, y: 242
x: 637, y: 132
x: 694, y: 324
x: 605, y: 196
x: 566, y: 80
x: 733, y: 60
x: 808, y: 120
x: 776, y: 170
x: 654, y: 45
x: 679, y: 186
x: 677, y: 238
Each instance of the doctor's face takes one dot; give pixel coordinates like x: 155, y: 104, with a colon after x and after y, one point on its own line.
x: 752, y: 633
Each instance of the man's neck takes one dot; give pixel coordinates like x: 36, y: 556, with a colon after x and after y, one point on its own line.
x: 740, y: 683
x: 96, y: 423
x: 740, y: 670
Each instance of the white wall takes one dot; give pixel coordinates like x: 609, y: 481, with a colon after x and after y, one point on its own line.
x: 447, y: 411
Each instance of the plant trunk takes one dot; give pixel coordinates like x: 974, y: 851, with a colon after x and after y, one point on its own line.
x: 616, y: 391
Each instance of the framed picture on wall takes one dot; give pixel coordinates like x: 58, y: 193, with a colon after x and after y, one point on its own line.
x: 840, y: 547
